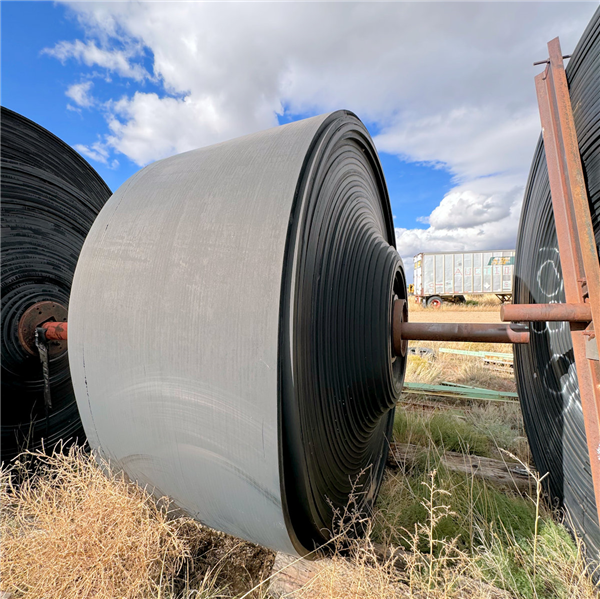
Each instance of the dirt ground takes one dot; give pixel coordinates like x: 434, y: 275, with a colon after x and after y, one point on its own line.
x: 470, y: 315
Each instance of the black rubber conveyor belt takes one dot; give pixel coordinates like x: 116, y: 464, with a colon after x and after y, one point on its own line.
x: 50, y: 198
x: 545, y: 369
x: 269, y: 264
x: 342, y: 382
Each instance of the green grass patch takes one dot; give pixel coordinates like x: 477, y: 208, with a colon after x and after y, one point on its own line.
x: 509, y: 564
x: 443, y: 430
x: 475, y: 506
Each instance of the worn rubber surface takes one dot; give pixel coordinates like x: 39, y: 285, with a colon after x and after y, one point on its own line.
x: 230, y: 329
x: 545, y: 369
x: 50, y: 197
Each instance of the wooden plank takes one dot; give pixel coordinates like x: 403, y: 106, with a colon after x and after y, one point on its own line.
x: 497, y: 472
x: 477, y: 354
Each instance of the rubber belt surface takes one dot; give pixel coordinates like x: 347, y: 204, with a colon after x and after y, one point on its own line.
x: 50, y: 198
x: 230, y: 329
x: 545, y: 369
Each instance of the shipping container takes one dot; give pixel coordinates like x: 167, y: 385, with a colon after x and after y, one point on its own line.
x: 452, y: 275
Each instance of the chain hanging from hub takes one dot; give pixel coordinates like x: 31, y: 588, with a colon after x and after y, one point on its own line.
x: 42, y: 345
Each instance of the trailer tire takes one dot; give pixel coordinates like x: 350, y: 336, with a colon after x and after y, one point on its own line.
x: 435, y: 301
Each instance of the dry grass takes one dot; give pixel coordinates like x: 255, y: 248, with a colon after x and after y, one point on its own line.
x: 542, y: 562
x: 474, y: 303
x: 461, y: 369
x: 356, y: 577
x: 73, y: 530
x: 70, y: 531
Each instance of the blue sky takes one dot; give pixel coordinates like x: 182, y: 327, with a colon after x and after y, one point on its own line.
x: 445, y: 89
x: 34, y: 84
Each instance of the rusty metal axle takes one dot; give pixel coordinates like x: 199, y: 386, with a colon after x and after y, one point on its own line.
x: 460, y: 332
x: 55, y: 331
x: 546, y: 312
x: 465, y: 332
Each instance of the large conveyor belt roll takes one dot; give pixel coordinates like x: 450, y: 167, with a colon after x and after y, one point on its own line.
x: 50, y: 198
x: 545, y: 369
x: 267, y: 264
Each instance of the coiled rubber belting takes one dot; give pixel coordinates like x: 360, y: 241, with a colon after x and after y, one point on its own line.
x: 545, y: 368
x: 246, y: 369
x: 50, y: 198
x: 343, y: 381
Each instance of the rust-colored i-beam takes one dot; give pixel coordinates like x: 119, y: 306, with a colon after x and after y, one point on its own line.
x: 576, y: 241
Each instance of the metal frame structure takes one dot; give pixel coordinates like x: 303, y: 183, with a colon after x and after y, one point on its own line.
x: 576, y: 240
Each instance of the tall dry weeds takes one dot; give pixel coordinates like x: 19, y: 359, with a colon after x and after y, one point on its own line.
x: 70, y: 531
x: 73, y: 530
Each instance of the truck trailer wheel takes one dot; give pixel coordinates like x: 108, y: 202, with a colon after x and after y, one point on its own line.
x: 435, y: 301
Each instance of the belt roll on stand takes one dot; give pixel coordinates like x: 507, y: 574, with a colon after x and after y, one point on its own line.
x: 545, y: 368
x: 230, y: 329
x: 50, y: 198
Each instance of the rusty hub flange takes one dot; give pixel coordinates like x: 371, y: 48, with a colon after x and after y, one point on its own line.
x: 34, y: 317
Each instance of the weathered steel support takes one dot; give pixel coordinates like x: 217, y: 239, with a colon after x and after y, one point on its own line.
x: 576, y: 241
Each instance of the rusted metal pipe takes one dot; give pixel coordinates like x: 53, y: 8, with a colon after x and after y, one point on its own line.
x: 546, y: 312
x: 465, y: 332
x: 55, y: 331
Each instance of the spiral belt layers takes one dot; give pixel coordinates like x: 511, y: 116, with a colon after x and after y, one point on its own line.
x: 50, y: 197
x: 269, y: 391
x: 545, y: 369
x: 342, y: 381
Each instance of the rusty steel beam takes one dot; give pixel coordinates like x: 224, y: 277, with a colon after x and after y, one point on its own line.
x: 545, y: 313
x: 576, y: 241
x: 465, y: 332
x: 55, y: 331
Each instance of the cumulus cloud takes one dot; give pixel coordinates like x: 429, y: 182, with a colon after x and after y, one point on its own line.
x: 90, y: 54
x: 80, y: 94
x: 147, y: 127
x: 445, y: 84
x: 96, y: 151
x: 461, y: 209
x: 478, y: 215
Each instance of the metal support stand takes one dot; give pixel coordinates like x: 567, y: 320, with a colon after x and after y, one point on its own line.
x: 42, y: 346
x: 576, y: 241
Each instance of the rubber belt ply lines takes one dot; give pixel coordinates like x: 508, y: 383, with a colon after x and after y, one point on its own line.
x: 50, y: 198
x: 269, y: 391
x: 545, y: 369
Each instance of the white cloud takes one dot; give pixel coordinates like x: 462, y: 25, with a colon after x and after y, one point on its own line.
x: 80, y: 94
x: 447, y: 84
x: 90, y: 54
x: 96, y: 151
x: 461, y: 209
x: 147, y: 127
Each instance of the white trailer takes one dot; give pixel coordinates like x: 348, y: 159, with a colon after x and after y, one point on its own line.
x: 449, y: 276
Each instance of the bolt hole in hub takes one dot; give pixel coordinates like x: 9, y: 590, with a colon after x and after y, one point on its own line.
x: 34, y: 317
